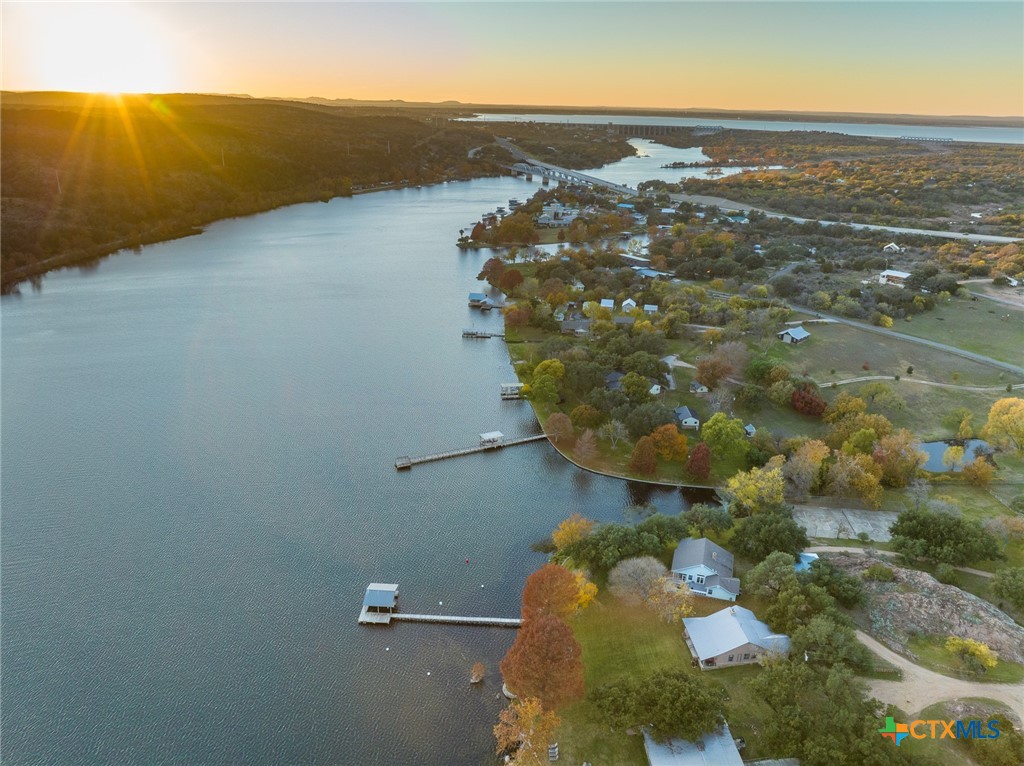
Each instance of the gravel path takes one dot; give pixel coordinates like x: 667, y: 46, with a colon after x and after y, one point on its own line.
x: 921, y: 688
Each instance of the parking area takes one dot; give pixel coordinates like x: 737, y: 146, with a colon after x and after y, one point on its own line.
x: 844, y: 523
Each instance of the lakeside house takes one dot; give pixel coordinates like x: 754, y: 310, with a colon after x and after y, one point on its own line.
x: 749, y: 430
x: 732, y: 636
x: 477, y: 299
x: 650, y: 308
x: 608, y: 303
x: 705, y: 568
x: 629, y: 304
x: 716, y: 748
x: 696, y: 387
x: 687, y: 418
x: 613, y: 380
x: 793, y: 335
x: 893, y: 277
x: 892, y: 247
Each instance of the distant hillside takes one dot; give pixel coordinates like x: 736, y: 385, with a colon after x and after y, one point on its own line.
x: 85, y: 176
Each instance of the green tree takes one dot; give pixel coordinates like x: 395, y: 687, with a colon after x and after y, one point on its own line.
x: 670, y: 704
x: 642, y: 420
x: 708, y: 518
x: 825, y: 641
x: 1009, y: 584
x: 724, y: 436
x: 772, y: 575
x: 543, y: 390
x: 844, y: 588
x: 764, y: 533
x: 636, y: 388
x: 919, y: 533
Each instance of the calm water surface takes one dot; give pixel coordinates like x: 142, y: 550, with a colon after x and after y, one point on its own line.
x: 198, y: 483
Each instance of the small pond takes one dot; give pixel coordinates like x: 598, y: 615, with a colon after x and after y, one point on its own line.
x: 935, y: 450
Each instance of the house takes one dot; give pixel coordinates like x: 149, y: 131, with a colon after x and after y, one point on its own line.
x: 1012, y: 282
x: 892, y: 247
x: 893, y: 277
x: 732, y: 636
x: 804, y: 561
x: 716, y: 748
x: 655, y: 390
x: 687, y: 418
x: 613, y: 381
x: 578, y: 327
x: 705, y: 568
x: 608, y: 303
x: 378, y: 603
x: 629, y: 304
x: 624, y: 321
x: 634, y: 260
x: 477, y: 299
x: 793, y: 335
x: 696, y: 387
x: 650, y: 308
x: 749, y: 430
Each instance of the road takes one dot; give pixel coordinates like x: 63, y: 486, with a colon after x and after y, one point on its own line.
x: 954, y: 386
x: 727, y: 204
x: 920, y: 688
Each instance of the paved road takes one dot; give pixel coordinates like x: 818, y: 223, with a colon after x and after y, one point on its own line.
x: 726, y: 204
x: 954, y: 386
x: 920, y: 688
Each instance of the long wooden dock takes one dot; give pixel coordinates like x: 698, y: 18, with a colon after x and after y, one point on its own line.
x: 471, y: 333
x: 451, y: 619
x: 405, y: 462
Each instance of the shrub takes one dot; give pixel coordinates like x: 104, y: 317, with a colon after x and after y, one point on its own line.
x: 879, y: 573
x: 945, y: 574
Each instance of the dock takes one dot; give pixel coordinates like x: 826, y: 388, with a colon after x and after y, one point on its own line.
x: 471, y: 333
x: 404, y: 463
x: 379, y: 609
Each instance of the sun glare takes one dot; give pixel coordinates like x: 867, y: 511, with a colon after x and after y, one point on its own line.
x: 101, y: 48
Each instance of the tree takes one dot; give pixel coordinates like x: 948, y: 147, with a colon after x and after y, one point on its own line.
x: 712, y: 370
x: 558, y: 426
x: 698, y: 465
x: 756, y: 490
x: 882, y: 396
x: 855, y: 475
x: 806, y: 400
x: 544, y: 662
x: 953, y: 457
x: 544, y: 390
x: 844, y: 588
x: 636, y: 388
x: 772, y: 575
x: 708, y: 518
x: 586, y: 591
x: 670, y: 444
x: 552, y: 367
x: 644, y: 460
x: 1005, y: 426
x: 965, y: 430
x: 900, y: 456
x: 804, y: 467
x: 586, y: 446
x: 942, y: 538
x: 966, y: 648
x: 645, y: 418
x: 634, y: 579
x: 843, y: 429
x: 1009, y: 584
x: 553, y: 590
x: 670, y: 601
x: 765, y: 533
x: 724, y: 436
x: 525, y: 730
x: 670, y: 703
x: 825, y: 641
x: 492, y: 270
x: 845, y: 404
x: 510, y: 280
x: 614, y: 431
x: 571, y: 530
x: 586, y: 416
x: 795, y: 605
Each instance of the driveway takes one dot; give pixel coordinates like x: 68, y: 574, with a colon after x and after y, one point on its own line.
x: 920, y: 688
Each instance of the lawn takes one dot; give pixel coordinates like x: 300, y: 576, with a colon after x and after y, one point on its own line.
x: 931, y: 653
x: 983, y: 327
x: 847, y: 349
x: 621, y: 641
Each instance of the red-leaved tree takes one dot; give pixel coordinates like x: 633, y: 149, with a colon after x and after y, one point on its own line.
x: 807, y: 400
x: 544, y: 662
x: 699, y: 463
x: 553, y: 590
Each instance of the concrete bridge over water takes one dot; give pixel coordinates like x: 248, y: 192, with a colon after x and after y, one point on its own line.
x: 530, y: 168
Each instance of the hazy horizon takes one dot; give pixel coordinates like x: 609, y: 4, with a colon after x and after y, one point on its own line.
x: 933, y: 59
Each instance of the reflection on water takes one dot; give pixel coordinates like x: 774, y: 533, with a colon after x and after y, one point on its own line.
x: 198, y: 483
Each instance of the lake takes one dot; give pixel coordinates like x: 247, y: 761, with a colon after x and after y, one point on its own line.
x: 879, y: 130
x: 198, y: 484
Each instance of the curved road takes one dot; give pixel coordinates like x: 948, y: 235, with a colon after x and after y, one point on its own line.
x: 954, y: 386
x: 920, y: 687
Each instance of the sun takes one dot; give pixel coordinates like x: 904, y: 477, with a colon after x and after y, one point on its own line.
x: 98, y: 48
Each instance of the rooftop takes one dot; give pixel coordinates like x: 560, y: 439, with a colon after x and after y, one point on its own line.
x: 729, y: 629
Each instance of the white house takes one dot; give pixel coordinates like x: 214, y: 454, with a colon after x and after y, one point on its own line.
x: 687, y: 418
x: 893, y: 277
x: 629, y: 304
x: 655, y: 390
x: 650, y: 308
x: 733, y: 636
x: 705, y: 568
x: 793, y: 335
x: 607, y: 303
x: 892, y: 247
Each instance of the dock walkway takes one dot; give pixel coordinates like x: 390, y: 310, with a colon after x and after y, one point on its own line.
x: 405, y: 462
x: 451, y: 619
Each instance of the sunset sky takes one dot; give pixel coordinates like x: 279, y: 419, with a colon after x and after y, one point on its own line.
x: 893, y: 57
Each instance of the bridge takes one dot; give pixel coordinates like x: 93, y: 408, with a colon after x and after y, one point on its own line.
x: 531, y: 167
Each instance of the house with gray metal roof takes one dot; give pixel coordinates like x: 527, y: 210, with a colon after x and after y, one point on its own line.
x: 793, y: 335
x: 733, y: 636
x: 705, y: 568
x: 687, y: 418
x: 716, y: 748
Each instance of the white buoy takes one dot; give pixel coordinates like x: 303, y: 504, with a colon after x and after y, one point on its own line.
x: 428, y: 672
x: 387, y: 648
x: 481, y: 586
x: 440, y: 603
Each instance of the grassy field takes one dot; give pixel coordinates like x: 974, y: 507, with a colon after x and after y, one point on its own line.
x: 983, y: 327
x: 846, y: 349
x: 621, y: 641
x: 931, y: 654
x: 946, y: 751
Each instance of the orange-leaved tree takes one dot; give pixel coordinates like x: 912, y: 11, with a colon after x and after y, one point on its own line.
x: 544, y: 662
x: 525, y: 729
x: 552, y: 589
